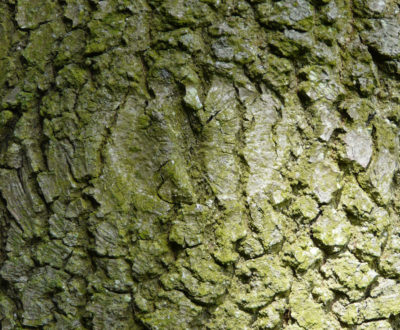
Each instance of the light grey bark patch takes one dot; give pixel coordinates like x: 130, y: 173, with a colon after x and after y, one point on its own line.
x: 383, y: 37
x: 359, y: 146
x: 381, y: 172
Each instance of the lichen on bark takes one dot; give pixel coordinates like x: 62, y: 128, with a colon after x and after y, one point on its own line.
x: 200, y: 164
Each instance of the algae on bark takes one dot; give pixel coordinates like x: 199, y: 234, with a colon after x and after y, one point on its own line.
x: 201, y: 164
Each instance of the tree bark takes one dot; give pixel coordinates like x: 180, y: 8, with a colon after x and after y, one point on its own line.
x: 199, y: 164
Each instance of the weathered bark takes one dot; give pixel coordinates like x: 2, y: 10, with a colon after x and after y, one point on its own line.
x: 199, y: 164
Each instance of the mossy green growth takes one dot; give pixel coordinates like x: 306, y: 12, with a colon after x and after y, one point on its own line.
x: 389, y: 261
x: 229, y: 315
x: 173, y: 311
x: 173, y: 164
x: 176, y: 186
x: 278, y: 73
x: 78, y: 264
x: 71, y: 47
x: 185, y: 37
x: 379, y: 177
x: 137, y: 31
x: 109, y: 240
x: 251, y: 247
x: 357, y: 109
x: 346, y: 274
x: 302, y: 254
x: 320, y: 83
x: 105, y: 33
x: 305, y: 207
x: 13, y: 157
x: 188, y: 228
x: 6, y: 117
x: 268, y: 273
x: 355, y: 200
x: 6, y: 28
x: 290, y: 43
x: 7, y: 312
x: 37, y: 306
x: 297, y: 14
x: 48, y: 185
x: 382, y: 303
x: 386, y: 135
x: 72, y: 75
x: 145, y: 253
x: 77, y: 11
x: 42, y: 42
x: 187, y: 13
x: 230, y: 227
x: 197, y: 274
x: 307, y: 313
x: 31, y: 13
x: 332, y: 229
x: 19, y: 98
x: 15, y: 269
x: 21, y: 204
x: 52, y: 253
x: 268, y: 224
x: 367, y: 245
x: 271, y: 315
x: 324, y: 179
x: 118, y: 314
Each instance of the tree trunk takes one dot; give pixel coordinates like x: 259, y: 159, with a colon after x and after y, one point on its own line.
x: 199, y: 164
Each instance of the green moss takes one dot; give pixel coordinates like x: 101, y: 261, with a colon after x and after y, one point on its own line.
x: 175, y: 311
x: 356, y: 201
x: 48, y: 185
x: 332, y: 229
x: 307, y: 313
x: 268, y: 224
x: 268, y: 273
x: 367, y: 245
x: 176, y: 185
x: 188, y: 228
x: 302, y: 254
x: 229, y: 315
x: 52, y: 253
x: 290, y: 43
x: 380, y: 305
x: 306, y: 208
x: 349, y: 276
x: 118, y: 315
x: 7, y: 312
x: 200, y: 163
x: 77, y: 11
x: 42, y: 43
x: 278, y: 72
x: 78, y: 263
x: 297, y: 14
x: 32, y: 13
x: 71, y: 47
x: 6, y: 117
x: 105, y: 33
x: 187, y: 13
x: 323, y: 178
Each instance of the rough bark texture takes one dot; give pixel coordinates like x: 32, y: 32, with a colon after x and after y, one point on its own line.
x: 199, y: 164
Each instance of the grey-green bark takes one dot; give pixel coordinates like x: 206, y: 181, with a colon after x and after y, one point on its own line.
x: 199, y: 164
